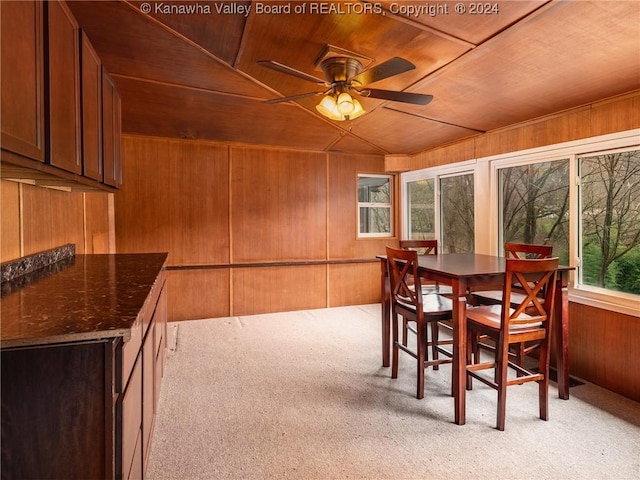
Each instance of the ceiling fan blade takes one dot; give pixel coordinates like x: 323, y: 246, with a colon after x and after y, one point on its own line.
x: 279, y: 67
x: 294, y: 97
x: 386, y: 69
x: 406, y: 97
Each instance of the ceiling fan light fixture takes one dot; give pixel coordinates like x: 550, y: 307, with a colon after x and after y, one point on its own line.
x: 329, y: 108
x: 338, y: 107
x: 345, y: 103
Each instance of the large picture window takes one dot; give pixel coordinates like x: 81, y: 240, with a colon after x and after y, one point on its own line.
x: 375, y: 206
x: 610, y: 220
x: 534, y: 205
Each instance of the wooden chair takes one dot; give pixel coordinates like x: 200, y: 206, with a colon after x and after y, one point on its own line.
x: 494, y: 297
x: 428, y: 247
x: 529, y: 320
x: 408, y: 301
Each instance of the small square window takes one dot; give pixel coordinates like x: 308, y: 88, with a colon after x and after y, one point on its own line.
x: 375, y: 205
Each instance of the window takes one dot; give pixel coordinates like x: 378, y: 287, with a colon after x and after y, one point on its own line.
x: 420, y: 210
x: 582, y: 197
x: 457, y: 218
x: 375, y: 206
x: 534, y: 205
x: 610, y: 220
x: 440, y: 206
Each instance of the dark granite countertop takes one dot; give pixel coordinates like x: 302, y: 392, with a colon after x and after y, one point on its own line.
x: 84, y: 297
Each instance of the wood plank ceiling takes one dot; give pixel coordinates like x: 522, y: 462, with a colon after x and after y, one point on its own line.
x: 195, y: 75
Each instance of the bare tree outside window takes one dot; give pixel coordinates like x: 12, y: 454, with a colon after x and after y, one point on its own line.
x: 610, y: 206
x: 535, y: 205
x: 420, y: 197
x: 457, y: 213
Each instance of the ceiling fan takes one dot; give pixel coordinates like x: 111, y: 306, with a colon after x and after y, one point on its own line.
x: 344, y: 76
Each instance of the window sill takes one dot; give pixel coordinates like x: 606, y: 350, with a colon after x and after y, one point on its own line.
x: 612, y: 303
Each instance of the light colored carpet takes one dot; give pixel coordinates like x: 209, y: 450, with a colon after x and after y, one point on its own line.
x: 303, y: 395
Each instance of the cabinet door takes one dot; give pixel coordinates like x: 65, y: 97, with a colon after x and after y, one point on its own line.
x: 91, y: 111
x: 64, y: 88
x: 112, y: 132
x: 131, y: 428
x: 22, y: 60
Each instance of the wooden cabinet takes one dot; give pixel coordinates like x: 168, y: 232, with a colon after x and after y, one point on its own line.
x: 91, y: 110
x: 56, y: 128
x: 22, y: 66
x: 112, y: 132
x: 64, y: 88
x: 84, y: 409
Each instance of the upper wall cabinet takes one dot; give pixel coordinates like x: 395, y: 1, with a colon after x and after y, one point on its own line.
x: 92, y: 165
x: 64, y: 88
x: 53, y: 101
x: 22, y: 63
x: 112, y: 135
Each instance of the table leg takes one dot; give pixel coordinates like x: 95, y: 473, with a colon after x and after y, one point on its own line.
x: 562, y: 336
x: 386, y: 314
x: 459, y: 289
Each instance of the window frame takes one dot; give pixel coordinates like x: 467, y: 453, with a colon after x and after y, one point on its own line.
x: 390, y: 206
x: 487, y: 224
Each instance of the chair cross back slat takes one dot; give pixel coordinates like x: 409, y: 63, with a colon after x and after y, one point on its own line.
x: 520, y: 271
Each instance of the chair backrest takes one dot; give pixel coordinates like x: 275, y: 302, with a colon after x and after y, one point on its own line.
x: 403, y: 278
x: 424, y: 247
x: 536, y: 278
x: 526, y: 250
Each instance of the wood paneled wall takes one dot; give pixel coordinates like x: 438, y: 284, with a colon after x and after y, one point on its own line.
x: 603, y: 349
x: 248, y: 229
x: 35, y: 219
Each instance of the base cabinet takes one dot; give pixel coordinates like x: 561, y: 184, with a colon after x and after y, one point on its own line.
x: 87, y: 409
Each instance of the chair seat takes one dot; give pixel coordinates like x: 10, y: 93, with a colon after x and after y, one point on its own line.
x: 496, y: 296
x: 432, y: 303
x: 489, y: 316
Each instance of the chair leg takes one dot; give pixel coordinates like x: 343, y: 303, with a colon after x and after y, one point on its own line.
x: 404, y: 331
x: 434, y: 343
x: 469, y: 354
x: 394, y: 343
x: 422, y: 350
x: 502, y: 358
x: 543, y: 385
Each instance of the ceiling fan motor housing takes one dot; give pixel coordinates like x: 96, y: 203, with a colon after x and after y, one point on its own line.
x: 340, y: 69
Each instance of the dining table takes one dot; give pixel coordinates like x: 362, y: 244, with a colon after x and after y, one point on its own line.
x: 465, y: 273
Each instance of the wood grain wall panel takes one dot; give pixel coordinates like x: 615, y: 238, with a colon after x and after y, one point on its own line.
x: 278, y: 205
x: 343, y: 182
x: 603, y: 349
x: 9, y: 221
x: 457, y: 152
x: 197, y: 293
x: 199, y: 203
x: 97, y: 222
x: 142, y: 204
x: 354, y: 284
x: 616, y: 115
x: 566, y: 127
x: 52, y: 218
x: 278, y: 289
